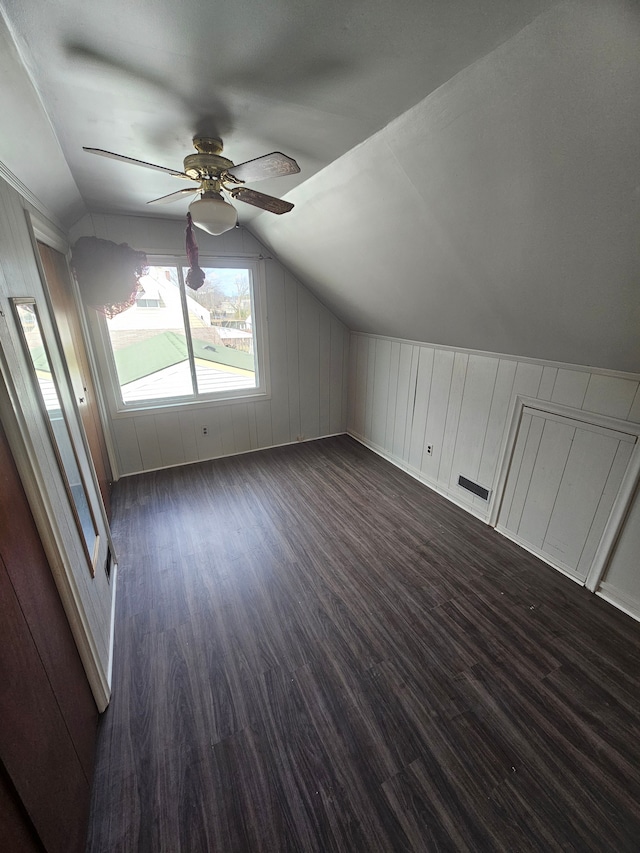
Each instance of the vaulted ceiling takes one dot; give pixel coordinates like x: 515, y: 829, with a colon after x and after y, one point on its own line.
x: 470, y: 171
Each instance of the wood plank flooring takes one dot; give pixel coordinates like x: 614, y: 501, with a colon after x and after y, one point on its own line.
x: 316, y: 653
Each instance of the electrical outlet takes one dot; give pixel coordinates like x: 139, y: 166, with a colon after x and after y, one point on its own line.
x: 301, y: 438
x: 429, y: 449
x: 205, y: 430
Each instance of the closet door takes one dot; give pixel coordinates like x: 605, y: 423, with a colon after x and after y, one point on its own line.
x: 563, y: 480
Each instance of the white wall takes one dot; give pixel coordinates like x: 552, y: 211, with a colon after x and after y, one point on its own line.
x: 87, y: 600
x: 308, y: 352
x: 404, y: 396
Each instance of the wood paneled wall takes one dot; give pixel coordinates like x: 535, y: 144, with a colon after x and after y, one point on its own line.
x: 405, y: 397
x: 308, y: 353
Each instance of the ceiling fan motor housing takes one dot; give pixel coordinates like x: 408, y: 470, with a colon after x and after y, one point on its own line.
x: 206, y: 166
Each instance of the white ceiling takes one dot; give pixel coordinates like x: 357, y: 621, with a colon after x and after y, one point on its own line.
x: 469, y: 169
x: 309, y: 78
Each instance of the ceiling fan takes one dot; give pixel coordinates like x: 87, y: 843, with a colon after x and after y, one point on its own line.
x: 215, y: 174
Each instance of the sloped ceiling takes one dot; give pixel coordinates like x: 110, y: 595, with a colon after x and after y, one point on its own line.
x: 501, y: 213
x: 469, y: 169
x: 29, y: 148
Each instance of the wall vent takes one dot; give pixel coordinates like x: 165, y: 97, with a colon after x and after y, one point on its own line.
x: 470, y: 486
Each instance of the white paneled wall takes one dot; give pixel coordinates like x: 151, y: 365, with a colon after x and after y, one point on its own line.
x: 308, y: 357
x: 405, y: 397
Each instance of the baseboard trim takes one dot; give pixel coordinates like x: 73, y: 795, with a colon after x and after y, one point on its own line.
x: 564, y: 570
x: 623, y: 601
x: 418, y: 475
x: 112, y: 629
x: 229, y: 455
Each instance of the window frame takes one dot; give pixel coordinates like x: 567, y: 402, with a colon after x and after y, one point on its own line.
x: 262, y: 390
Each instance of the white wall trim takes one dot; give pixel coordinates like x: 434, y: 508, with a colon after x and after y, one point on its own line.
x: 620, y: 374
x: 46, y: 232
x: 229, y: 455
x: 629, y: 604
x: 112, y: 629
x: 166, y: 405
x: 514, y: 418
x: 15, y: 182
x: 545, y: 558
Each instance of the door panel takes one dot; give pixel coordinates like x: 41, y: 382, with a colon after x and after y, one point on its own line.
x: 547, y: 474
x: 563, y: 480
x: 590, y: 460
x: 73, y: 345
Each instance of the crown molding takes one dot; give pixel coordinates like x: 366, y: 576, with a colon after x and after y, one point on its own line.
x: 7, y: 175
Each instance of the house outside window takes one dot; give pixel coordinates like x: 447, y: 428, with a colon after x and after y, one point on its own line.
x: 177, y: 346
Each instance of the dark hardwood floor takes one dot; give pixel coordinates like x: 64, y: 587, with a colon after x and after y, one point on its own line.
x: 316, y: 653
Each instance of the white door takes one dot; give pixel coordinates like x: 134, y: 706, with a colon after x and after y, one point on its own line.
x: 563, y: 479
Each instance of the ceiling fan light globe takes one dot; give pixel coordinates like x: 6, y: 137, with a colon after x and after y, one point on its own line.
x: 213, y: 214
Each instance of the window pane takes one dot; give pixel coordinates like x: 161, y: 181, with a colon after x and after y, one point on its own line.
x: 222, y: 330
x: 149, y: 343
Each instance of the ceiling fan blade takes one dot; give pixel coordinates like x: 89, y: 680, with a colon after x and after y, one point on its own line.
x: 274, y: 165
x: 167, y: 199
x: 124, y: 159
x: 266, y: 202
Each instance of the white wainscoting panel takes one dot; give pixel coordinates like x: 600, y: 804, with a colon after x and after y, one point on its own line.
x: 569, y: 388
x: 460, y: 403
x: 422, y: 395
x: 479, y: 387
x: 608, y: 395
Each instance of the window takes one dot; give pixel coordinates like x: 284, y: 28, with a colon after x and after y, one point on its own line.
x: 176, y: 345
